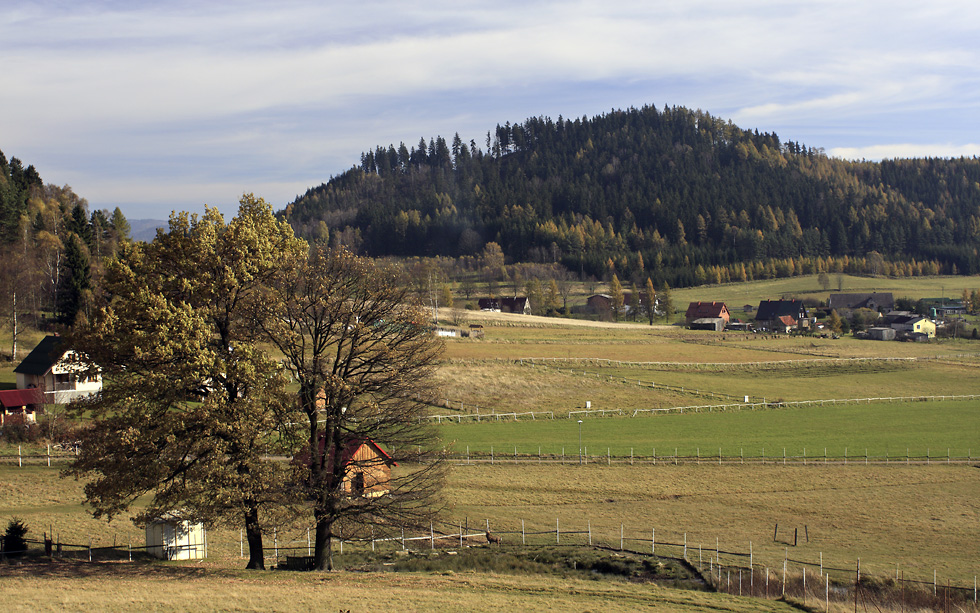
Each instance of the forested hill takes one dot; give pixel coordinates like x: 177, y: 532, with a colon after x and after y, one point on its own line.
x: 674, y: 194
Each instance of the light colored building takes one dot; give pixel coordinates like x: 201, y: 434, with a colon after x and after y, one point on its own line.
x: 58, y: 372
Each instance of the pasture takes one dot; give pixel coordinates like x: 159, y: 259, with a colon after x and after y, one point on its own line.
x: 919, y: 515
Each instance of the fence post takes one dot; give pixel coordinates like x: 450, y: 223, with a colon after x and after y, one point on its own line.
x: 590, y: 532
x: 241, y: 544
x: 558, y: 532
x: 20, y: 462
x: 49, y: 455
x: 523, y: 538
x: 432, y: 538
x: 653, y: 551
x: 620, y: 537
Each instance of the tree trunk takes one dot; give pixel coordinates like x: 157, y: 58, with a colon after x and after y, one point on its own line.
x: 253, y: 533
x: 323, y: 548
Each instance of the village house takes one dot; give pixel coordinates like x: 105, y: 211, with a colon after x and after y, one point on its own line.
x: 57, y: 372
x: 781, y: 315
x: 601, y: 304
x: 707, y: 310
x: 911, y: 325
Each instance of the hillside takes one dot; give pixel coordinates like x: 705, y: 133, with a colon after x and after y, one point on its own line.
x: 674, y: 194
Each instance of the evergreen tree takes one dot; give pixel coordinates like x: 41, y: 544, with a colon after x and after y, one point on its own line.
x: 74, y: 282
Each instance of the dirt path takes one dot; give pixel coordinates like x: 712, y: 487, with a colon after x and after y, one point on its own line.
x: 488, y: 318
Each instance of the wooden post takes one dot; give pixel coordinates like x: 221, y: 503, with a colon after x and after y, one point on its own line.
x: 775, y: 532
x: 796, y: 534
x: 558, y: 532
x: 653, y: 550
x: 523, y: 539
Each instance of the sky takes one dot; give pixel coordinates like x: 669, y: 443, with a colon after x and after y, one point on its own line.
x: 162, y: 106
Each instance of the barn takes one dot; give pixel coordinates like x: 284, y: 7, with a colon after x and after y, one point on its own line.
x: 172, y: 538
x: 368, y: 469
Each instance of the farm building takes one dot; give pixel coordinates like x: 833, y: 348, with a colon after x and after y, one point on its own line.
x: 20, y: 406
x: 367, y: 467
x: 709, y: 310
x: 781, y: 315
x: 171, y: 538
x: 876, y: 301
x: 54, y: 369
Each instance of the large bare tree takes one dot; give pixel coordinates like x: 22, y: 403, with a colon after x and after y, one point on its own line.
x: 358, y: 344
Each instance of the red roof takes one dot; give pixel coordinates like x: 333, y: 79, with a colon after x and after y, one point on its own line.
x: 698, y: 310
x: 350, y: 450
x: 21, y: 398
x: 787, y: 320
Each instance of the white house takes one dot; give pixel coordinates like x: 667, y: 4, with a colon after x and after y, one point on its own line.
x: 55, y: 369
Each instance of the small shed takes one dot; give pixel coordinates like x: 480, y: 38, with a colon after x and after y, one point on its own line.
x: 716, y: 324
x: 172, y: 538
x: 20, y: 406
x: 881, y: 334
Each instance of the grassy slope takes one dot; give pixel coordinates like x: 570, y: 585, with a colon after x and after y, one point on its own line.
x: 224, y: 591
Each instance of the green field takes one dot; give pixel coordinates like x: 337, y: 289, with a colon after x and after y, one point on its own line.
x: 919, y: 428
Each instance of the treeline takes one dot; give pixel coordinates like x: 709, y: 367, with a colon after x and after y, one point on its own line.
x: 51, y: 246
x: 647, y: 192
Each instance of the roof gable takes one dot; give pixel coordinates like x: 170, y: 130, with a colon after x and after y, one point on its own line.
x: 45, y: 355
x: 773, y: 309
x: 698, y: 310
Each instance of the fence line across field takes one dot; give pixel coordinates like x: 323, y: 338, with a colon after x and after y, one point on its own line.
x: 496, y: 456
x: 701, y: 408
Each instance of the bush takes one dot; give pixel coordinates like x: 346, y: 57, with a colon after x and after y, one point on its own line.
x: 14, y: 543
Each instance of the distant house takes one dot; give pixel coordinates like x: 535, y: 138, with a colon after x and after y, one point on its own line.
x: 707, y: 310
x: 601, y: 304
x: 519, y: 305
x: 20, y: 406
x: 781, y: 315
x: 911, y: 324
x: 881, y: 302
x: 55, y: 369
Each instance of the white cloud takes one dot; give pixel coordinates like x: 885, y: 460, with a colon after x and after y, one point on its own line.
x: 905, y: 150
x: 186, y: 98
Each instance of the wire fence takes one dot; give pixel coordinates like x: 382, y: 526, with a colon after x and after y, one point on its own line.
x: 803, y: 575
x: 697, y: 408
x: 510, y: 454
x: 814, y: 580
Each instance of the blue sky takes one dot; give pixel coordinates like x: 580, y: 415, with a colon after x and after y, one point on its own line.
x: 161, y: 106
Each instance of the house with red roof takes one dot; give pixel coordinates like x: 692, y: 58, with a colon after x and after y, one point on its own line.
x: 707, y: 310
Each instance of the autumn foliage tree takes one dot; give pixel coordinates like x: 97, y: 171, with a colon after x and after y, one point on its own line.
x: 191, y: 408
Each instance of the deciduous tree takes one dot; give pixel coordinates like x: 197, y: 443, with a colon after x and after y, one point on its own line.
x: 358, y: 346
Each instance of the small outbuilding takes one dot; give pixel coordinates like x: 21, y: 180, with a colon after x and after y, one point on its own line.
x: 20, y: 406
x: 172, y: 538
x: 716, y: 324
x: 881, y: 334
